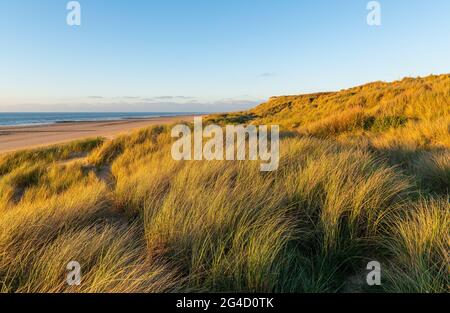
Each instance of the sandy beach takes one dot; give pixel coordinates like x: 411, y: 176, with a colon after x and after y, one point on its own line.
x: 13, y: 138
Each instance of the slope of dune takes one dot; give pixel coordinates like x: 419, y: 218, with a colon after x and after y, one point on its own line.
x: 413, y: 98
x: 374, y: 107
x: 364, y: 176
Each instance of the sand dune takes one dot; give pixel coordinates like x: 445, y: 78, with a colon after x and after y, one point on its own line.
x: 13, y: 138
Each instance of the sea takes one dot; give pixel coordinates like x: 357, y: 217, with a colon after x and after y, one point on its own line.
x: 22, y: 119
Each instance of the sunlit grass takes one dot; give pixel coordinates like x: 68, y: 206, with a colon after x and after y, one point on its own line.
x: 364, y: 175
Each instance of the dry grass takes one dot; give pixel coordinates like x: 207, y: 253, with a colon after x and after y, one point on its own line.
x: 364, y: 176
x: 420, y: 249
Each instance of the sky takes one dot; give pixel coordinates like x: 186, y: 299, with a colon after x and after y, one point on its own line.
x: 208, y: 55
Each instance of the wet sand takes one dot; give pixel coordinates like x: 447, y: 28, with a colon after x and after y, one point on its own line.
x: 13, y: 138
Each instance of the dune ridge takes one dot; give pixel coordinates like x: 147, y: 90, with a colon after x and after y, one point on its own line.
x: 364, y: 176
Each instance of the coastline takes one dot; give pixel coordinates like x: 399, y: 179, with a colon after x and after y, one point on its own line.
x: 21, y: 137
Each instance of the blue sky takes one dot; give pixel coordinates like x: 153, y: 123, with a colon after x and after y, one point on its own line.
x: 208, y: 55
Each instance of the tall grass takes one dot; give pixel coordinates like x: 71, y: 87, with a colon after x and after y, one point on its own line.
x: 420, y: 249
x: 230, y: 227
x: 369, y: 183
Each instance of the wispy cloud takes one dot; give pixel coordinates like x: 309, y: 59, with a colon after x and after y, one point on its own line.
x: 168, y: 98
x: 134, y: 104
x: 267, y: 74
x: 130, y: 97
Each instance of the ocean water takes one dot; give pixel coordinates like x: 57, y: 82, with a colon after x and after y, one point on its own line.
x: 19, y: 119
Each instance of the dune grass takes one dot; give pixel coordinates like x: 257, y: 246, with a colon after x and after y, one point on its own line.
x: 420, y: 249
x: 351, y: 188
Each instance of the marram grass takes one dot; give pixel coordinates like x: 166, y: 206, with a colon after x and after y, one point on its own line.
x: 363, y: 175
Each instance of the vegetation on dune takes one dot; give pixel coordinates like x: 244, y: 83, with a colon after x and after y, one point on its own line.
x: 421, y: 98
x: 364, y: 175
x: 420, y: 249
x: 12, y: 161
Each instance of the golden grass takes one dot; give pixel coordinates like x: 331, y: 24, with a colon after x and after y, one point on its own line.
x: 409, y: 97
x: 421, y: 249
x: 364, y: 175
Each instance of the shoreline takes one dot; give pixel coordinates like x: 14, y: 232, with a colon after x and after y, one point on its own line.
x: 97, y: 119
x: 23, y: 137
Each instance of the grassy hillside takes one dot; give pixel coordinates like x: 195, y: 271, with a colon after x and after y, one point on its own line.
x: 395, y: 103
x: 364, y: 175
x: 406, y: 123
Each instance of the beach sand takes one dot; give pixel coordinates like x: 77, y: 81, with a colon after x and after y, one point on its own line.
x: 13, y: 138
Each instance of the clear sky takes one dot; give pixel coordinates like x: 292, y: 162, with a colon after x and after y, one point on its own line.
x: 208, y: 55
